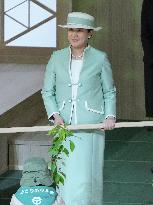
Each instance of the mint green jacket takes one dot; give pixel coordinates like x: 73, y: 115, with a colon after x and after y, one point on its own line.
x: 96, y: 95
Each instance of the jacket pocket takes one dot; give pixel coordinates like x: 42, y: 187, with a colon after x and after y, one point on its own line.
x: 101, y: 111
x: 61, y: 107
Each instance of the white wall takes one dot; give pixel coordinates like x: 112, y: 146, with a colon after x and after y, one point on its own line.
x: 17, y: 82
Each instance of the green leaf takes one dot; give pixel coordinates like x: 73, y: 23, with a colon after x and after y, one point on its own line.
x: 66, y: 151
x: 72, y: 146
x: 63, y: 175
x: 53, y: 167
x: 61, y: 180
x: 57, y: 143
x: 55, y: 139
x: 57, y: 178
x: 53, y: 151
x: 61, y: 148
x: 52, y: 132
x: 60, y: 135
x: 69, y: 133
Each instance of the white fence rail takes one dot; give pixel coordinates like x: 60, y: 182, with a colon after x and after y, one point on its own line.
x: 76, y: 127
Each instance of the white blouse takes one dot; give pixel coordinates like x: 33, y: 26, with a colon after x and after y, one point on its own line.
x: 76, y: 66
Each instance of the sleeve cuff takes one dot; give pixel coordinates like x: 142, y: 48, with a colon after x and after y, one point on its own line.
x: 110, y: 116
x: 50, y: 118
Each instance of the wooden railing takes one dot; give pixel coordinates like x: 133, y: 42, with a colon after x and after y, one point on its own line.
x: 76, y: 127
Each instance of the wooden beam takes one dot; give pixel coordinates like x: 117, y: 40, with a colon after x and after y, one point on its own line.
x: 76, y: 127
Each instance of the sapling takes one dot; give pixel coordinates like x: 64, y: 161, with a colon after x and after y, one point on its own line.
x: 60, y: 134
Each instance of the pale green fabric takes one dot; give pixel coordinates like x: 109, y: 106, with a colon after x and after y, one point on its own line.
x: 84, y: 170
x: 96, y: 99
x: 80, y: 21
x: 96, y: 86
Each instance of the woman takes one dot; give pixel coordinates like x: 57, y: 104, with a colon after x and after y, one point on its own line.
x: 79, y: 89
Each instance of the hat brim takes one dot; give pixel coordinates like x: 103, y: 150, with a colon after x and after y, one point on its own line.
x: 80, y: 26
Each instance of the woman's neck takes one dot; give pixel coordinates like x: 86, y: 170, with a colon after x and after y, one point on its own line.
x: 77, y: 52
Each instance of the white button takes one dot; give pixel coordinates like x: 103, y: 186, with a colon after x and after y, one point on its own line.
x: 80, y: 84
x: 70, y: 101
x: 69, y: 84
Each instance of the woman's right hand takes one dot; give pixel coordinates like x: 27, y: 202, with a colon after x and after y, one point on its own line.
x: 58, y: 120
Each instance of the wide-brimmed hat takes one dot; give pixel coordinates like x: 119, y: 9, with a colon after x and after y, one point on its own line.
x: 80, y: 20
x: 35, y: 172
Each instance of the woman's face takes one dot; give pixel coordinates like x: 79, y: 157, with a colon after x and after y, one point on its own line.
x: 78, y: 37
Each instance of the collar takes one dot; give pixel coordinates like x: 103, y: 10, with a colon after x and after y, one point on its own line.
x: 85, y: 49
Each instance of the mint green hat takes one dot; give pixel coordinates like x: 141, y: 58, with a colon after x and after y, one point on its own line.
x: 80, y: 20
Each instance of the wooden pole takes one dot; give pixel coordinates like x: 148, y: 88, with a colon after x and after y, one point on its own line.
x: 75, y: 127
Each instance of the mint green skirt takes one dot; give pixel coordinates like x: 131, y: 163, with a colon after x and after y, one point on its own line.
x: 84, y: 170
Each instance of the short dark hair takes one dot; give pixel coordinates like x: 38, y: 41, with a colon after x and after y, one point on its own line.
x: 89, y: 30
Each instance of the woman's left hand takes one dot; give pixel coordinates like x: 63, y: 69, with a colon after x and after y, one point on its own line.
x: 109, y: 123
